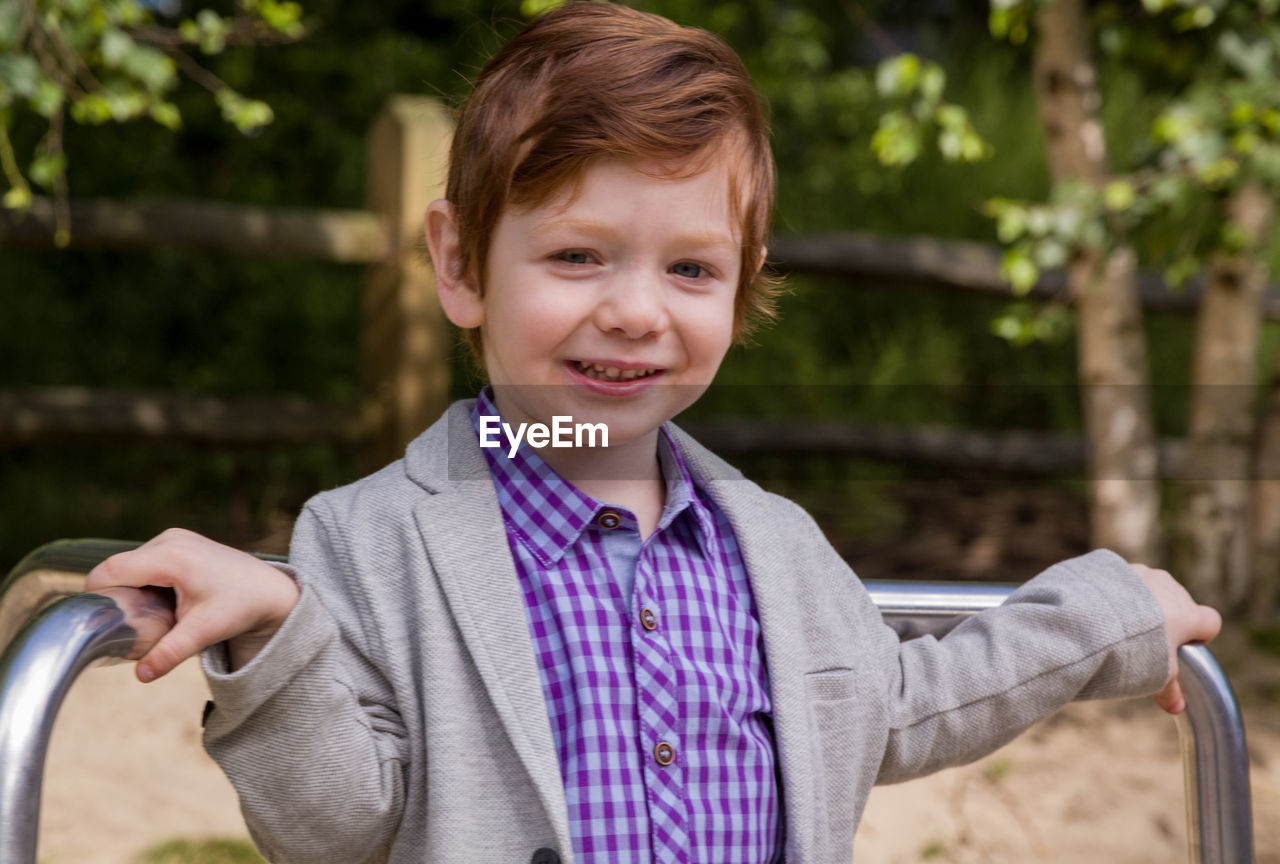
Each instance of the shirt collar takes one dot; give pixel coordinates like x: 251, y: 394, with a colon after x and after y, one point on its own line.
x: 548, y: 513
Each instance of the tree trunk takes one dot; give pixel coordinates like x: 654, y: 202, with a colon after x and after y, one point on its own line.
x: 1264, y: 539
x: 1124, y: 491
x: 1212, y: 549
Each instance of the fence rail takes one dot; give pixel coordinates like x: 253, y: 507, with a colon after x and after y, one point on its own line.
x: 361, y: 237
x: 405, y: 344
x: 79, y: 414
x: 73, y: 415
x: 343, y: 236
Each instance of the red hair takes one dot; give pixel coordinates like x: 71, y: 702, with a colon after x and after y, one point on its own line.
x: 588, y: 81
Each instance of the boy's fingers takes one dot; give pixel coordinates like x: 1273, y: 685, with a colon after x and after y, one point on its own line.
x: 1208, y: 624
x: 1170, y: 698
x: 137, y: 567
x: 153, y: 563
x: 180, y: 643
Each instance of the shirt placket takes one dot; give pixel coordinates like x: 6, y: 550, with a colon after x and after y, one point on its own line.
x: 659, y: 710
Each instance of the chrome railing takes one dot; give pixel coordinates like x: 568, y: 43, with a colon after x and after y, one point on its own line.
x: 50, y: 632
x: 1215, y: 762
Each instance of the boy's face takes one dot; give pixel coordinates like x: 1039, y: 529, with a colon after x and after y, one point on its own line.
x: 613, y: 305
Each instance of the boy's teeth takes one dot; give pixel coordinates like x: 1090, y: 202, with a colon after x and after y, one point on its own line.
x: 611, y: 373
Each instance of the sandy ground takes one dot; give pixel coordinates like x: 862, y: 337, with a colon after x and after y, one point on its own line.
x: 1097, y: 782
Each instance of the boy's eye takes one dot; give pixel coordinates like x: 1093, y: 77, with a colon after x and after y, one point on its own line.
x: 688, y: 270
x: 574, y: 256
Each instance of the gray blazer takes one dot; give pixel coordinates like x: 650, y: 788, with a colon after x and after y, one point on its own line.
x: 397, y: 715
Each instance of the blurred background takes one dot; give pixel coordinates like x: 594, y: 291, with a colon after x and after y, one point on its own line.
x: 1028, y: 245
x: 953, y: 179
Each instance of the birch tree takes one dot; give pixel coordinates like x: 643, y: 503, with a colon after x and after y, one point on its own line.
x: 1124, y: 493
x: 1214, y: 149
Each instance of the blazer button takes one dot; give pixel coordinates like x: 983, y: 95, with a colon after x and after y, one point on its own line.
x: 545, y: 856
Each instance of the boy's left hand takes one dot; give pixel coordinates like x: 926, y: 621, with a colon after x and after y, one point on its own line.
x: 1185, y: 621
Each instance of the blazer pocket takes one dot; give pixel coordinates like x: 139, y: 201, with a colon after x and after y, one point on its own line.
x: 848, y: 741
x: 831, y: 685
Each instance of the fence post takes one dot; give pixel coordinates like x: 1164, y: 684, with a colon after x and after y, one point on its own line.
x: 405, y: 340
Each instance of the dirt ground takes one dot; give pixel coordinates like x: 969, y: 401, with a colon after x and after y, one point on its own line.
x: 1097, y: 782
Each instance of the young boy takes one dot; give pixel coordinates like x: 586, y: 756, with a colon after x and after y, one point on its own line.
x: 621, y: 653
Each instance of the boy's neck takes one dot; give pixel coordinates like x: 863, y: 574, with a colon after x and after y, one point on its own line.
x: 626, y: 475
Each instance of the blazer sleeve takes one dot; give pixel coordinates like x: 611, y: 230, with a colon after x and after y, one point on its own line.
x: 308, y: 731
x: 1086, y: 628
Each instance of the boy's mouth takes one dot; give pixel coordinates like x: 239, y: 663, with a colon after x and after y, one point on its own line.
x: 601, y: 372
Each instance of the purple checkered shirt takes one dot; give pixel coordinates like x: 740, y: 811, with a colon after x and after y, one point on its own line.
x: 652, y: 663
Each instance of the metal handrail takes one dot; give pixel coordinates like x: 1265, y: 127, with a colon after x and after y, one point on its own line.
x: 50, y: 632
x: 1215, y: 762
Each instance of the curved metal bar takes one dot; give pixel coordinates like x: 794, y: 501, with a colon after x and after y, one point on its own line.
x: 919, y: 608
x: 43, y: 657
x: 1215, y: 762
x: 48, y: 574
x: 36, y: 672
x: 1214, y: 759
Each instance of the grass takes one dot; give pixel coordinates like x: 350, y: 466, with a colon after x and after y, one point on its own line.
x: 212, y: 851
x: 933, y: 850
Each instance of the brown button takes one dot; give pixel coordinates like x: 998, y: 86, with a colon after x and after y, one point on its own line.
x: 648, y: 619
x: 610, y: 520
x: 664, y: 753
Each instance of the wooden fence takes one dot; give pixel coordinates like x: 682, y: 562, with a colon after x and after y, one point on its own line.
x: 406, y: 343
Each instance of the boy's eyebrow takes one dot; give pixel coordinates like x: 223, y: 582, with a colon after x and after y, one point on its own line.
x: 586, y: 226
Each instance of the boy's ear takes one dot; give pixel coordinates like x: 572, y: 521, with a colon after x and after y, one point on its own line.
x: 764, y: 254
x: 456, y: 284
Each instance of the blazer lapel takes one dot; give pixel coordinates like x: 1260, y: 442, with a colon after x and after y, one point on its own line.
x: 461, y: 525
x: 764, y: 553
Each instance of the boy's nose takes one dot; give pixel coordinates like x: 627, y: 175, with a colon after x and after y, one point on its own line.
x: 634, y: 306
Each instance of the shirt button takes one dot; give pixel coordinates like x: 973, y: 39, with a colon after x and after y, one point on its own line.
x: 664, y: 753
x: 609, y: 520
x: 648, y: 620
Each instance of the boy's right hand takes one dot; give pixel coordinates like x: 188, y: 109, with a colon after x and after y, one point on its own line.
x: 1185, y: 621
x: 223, y: 594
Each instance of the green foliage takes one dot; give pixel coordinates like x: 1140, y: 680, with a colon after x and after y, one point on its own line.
x: 264, y: 327
x: 914, y: 89
x: 1214, y: 68
x: 104, y: 61
x: 529, y: 8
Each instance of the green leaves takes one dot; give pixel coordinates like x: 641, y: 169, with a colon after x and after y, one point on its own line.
x: 1118, y: 195
x: 1023, y: 323
x: 283, y: 17
x: 208, y: 29
x: 1077, y: 218
x: 1010, y: 19
x: 47, y: 168
x: 897, y: 139
x: 914, y: 88
x: 103, y: 61
x: 247, y: 115
x: 530, y: 8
